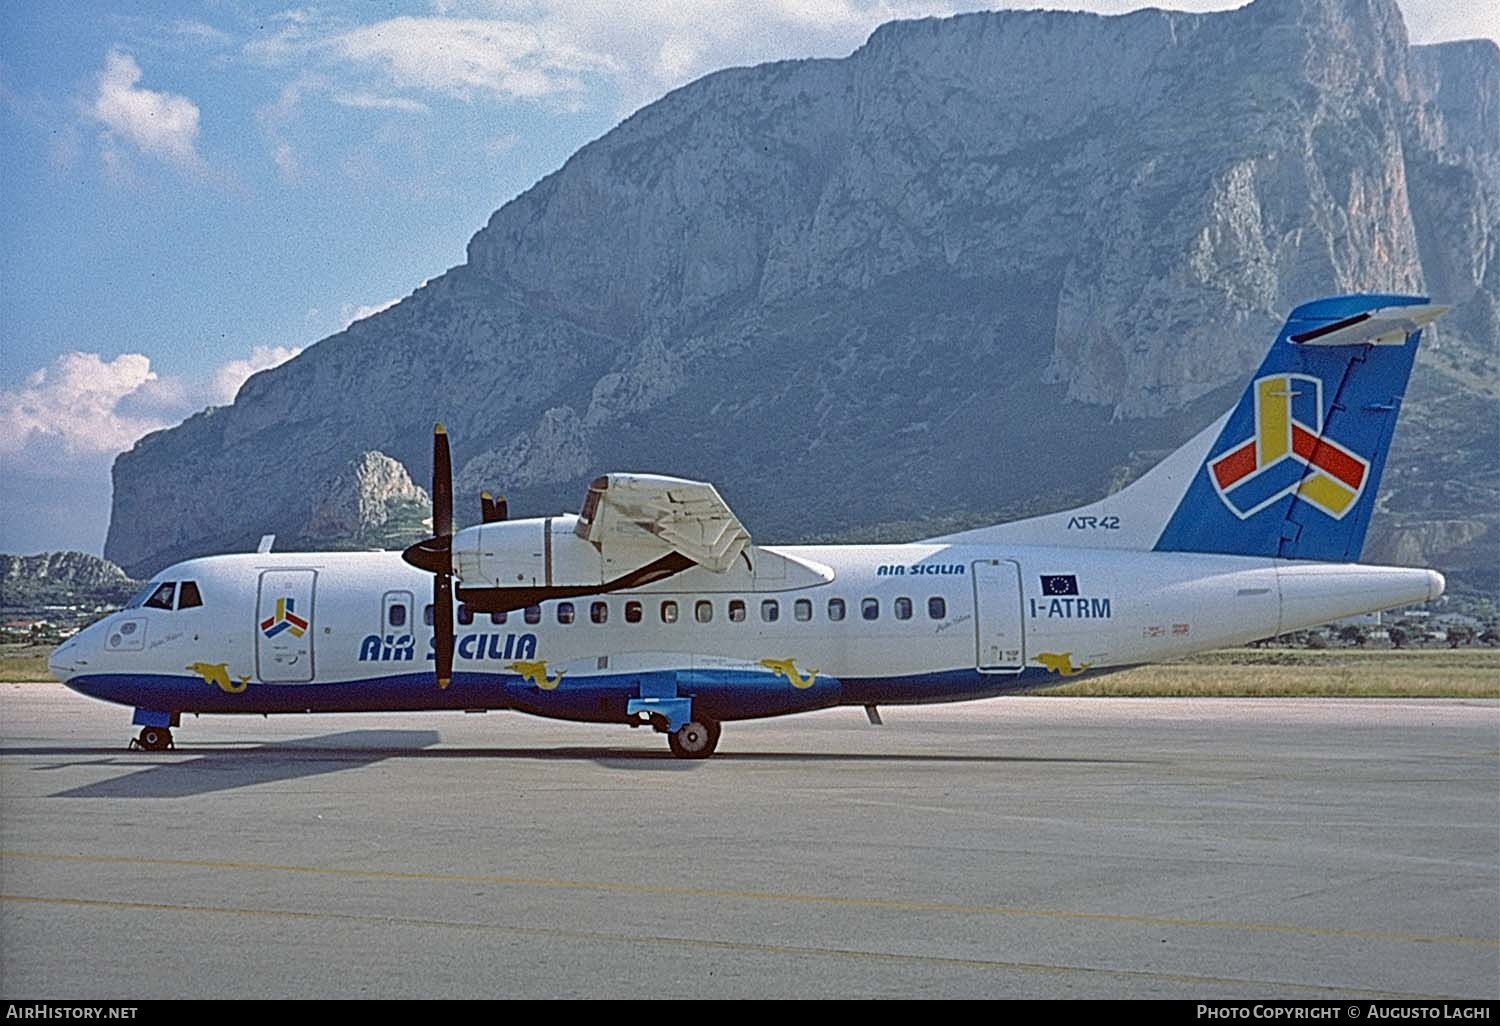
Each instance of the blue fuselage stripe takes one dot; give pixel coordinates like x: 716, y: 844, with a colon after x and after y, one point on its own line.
x: 597, y: 698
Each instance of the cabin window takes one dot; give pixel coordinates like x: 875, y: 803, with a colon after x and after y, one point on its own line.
x: 802, y: 609
x: 565, y: 612
x: 937, y: 608
x: 533, y: 614
x: 465, y: 614
x: 736, y: 611
x: 187, y: 595
x: 599, y: 612
x: 669, y: 611
x: 870, y: 608
x: 395, y: 614
x: 497, y: 618
x: 903, y: 608
x: 835, y: 609
x: 161, y: 598
x: 427, y: 614
x: 632, y: 612
x: 703, y: 612
x: 770, y: 610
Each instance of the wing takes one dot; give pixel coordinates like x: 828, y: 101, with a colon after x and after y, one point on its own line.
x: 688, y: 517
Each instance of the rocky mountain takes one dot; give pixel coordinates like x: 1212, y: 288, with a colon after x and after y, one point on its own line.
x: 984, y: 266
x: 62, y: 578
x: 371, y: 501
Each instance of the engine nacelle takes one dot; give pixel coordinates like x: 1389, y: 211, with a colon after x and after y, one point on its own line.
x: 543, y: 552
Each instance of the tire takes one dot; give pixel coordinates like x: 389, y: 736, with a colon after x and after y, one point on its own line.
x: 697, y: 739
x: 155, y: 739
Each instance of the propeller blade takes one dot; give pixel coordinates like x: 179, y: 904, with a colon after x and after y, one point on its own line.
x: 491, y: 509
x: 442, y: 484
x: 442, y: 553
x: 442, y: 626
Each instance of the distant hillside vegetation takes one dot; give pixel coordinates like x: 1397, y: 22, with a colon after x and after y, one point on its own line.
x: 62, y: 579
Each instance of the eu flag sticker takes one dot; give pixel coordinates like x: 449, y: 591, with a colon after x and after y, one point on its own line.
x: 1059, y: 584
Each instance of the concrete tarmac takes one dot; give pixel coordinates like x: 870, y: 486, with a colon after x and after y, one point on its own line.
x: 1025, y: 847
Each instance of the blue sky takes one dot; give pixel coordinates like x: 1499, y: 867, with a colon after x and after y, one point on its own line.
x: 196, y: 191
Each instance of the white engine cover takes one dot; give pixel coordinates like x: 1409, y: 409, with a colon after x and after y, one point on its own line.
x: 543, y: 552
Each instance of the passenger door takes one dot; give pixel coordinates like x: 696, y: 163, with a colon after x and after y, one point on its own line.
x: 999, y: 639
x: 284, y: 626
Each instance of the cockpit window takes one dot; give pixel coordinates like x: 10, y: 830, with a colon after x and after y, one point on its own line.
x: 139, y: 598
x: 187, y: 595
x: 162, y: 597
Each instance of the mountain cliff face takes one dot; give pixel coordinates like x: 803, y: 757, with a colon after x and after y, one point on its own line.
x: 968, y: 272
x: 363, y: 503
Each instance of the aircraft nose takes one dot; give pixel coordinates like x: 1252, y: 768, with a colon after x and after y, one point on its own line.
x: 72, y: 657
x: 63, y: 663
x: 1435, y: 585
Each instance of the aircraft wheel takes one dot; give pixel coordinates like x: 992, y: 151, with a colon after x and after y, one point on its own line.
x: 155, y: 739
x: 697, y: 739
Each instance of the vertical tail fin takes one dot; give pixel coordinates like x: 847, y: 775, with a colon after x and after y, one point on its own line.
x: 1295, y: 470
x: 1291, y: 471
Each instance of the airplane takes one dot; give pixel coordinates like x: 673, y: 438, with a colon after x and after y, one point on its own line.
x: 653, y: 607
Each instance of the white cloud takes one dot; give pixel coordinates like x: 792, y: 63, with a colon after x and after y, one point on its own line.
x: 277, y: 117
x: 502, y: 144
x: 349, y: 313
x: 556, y: 51
x: 83, y: 406
x: 294, y: 35
x: 549, y: 50
x: 163, y: 125
x: 666, y: 43
x: 462, y: 57
x: 201, y: 32
x: 1432, y: 20
x: 230, y: 376
x: 79, y: 407
x: 370, y: 101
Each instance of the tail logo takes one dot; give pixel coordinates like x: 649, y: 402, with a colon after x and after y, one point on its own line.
x: 1288, y: 454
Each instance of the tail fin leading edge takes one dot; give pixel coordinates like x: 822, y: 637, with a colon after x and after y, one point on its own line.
x: 1295, y: 470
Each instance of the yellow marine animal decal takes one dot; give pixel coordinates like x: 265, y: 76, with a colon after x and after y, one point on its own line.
x: 536, y: 673
x: 218, y: 673
x: 1061, y: 662
x: 788, y: 668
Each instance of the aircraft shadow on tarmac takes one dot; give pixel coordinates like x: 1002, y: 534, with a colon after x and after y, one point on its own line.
x: 212, y: 769
x: 227, y: 769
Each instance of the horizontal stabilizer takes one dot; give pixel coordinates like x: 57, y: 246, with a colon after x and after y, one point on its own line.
x: 1387, y: 326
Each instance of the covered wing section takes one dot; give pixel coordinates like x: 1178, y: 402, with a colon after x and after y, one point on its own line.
x: 635, y: 529
x: 625, y: 512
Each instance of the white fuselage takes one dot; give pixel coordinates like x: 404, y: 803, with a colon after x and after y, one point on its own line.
x: 816, y: 626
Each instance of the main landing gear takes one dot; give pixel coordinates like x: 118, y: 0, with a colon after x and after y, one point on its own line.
x: 695, y: 739
x: 153, y: 739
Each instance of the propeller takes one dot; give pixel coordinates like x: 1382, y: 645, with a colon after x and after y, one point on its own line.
x: 491, y: 509
x: 435, y: 555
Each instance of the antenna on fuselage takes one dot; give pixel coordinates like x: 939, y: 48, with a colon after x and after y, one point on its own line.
x: 266, y: 541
